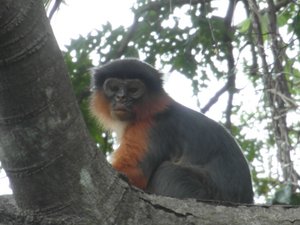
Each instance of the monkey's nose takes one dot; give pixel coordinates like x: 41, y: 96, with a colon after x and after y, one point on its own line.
x: 120, y: 98
x: 121, y: 94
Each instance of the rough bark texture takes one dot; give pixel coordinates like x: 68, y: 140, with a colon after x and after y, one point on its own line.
x: 138, y: 208
x: 45, y: 148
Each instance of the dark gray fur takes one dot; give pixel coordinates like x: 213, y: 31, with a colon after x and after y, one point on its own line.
x: 192, y: 156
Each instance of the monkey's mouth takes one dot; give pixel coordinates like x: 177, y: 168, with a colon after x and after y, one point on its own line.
x: 120, y: 111
x: 123, y: 115
x: 120, y: 108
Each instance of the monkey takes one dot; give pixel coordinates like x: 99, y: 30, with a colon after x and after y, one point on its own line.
x: 166, y: 148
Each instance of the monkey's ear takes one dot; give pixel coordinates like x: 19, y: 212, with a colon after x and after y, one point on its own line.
x: 93, y: 72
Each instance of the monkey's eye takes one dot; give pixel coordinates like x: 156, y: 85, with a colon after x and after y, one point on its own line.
x: 114, y: 88
x: 111, y: 86
x: 135, y: 88
x: 132, y: 90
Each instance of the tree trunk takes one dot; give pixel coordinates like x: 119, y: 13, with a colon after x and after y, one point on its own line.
x: 45, y: 148
x: 276, y: 89
x: 56, y: 173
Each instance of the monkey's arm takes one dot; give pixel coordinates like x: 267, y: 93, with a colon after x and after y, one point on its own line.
x: 134, y: 175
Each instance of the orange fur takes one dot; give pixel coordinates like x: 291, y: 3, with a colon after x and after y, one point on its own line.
x: 100, y: 108
x: 132, y: 148
x: 133, y: 134
x: 152, y: 106
x: 134, y: 141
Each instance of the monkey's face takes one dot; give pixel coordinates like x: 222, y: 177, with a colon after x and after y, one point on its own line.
x: 123, y: 95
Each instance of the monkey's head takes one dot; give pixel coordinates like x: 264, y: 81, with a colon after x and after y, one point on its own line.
x: 124, y: 89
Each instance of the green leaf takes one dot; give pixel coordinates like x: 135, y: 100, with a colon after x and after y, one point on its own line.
x: 245, y: 25
x: 296, y: 25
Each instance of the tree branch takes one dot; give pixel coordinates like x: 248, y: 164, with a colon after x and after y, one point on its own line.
x: 137, y: 208
x: 143, y: 9
x: 55, y: 8
x: 155, y: 5
x: 124, y: 43
x: 230, y: 62
x: 214, y: 99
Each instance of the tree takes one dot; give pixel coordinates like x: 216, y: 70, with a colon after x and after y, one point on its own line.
x: 57, y: 174
x: 278, y: 89
x: 44, y: 142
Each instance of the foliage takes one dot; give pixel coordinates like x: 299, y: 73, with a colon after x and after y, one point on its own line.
x: 78, y: 60
x: 191, y: 38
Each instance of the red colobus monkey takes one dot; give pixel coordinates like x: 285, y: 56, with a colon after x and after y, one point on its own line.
x: 166, y: 148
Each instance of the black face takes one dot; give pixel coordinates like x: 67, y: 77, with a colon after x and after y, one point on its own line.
x: 123, y: 95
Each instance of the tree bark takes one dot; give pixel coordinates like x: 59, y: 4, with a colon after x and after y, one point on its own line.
x: 45, y: 148
x: 137, y: 208
x: 56, y: 173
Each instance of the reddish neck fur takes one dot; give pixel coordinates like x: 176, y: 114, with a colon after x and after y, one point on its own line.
x: 152, y: 106
x: 134, y: 142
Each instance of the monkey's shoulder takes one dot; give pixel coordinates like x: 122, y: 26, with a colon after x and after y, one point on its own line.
x: 189, y: 130
x: 178, y: 116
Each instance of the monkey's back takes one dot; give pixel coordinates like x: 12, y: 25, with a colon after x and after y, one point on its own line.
x: 186, y: 139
